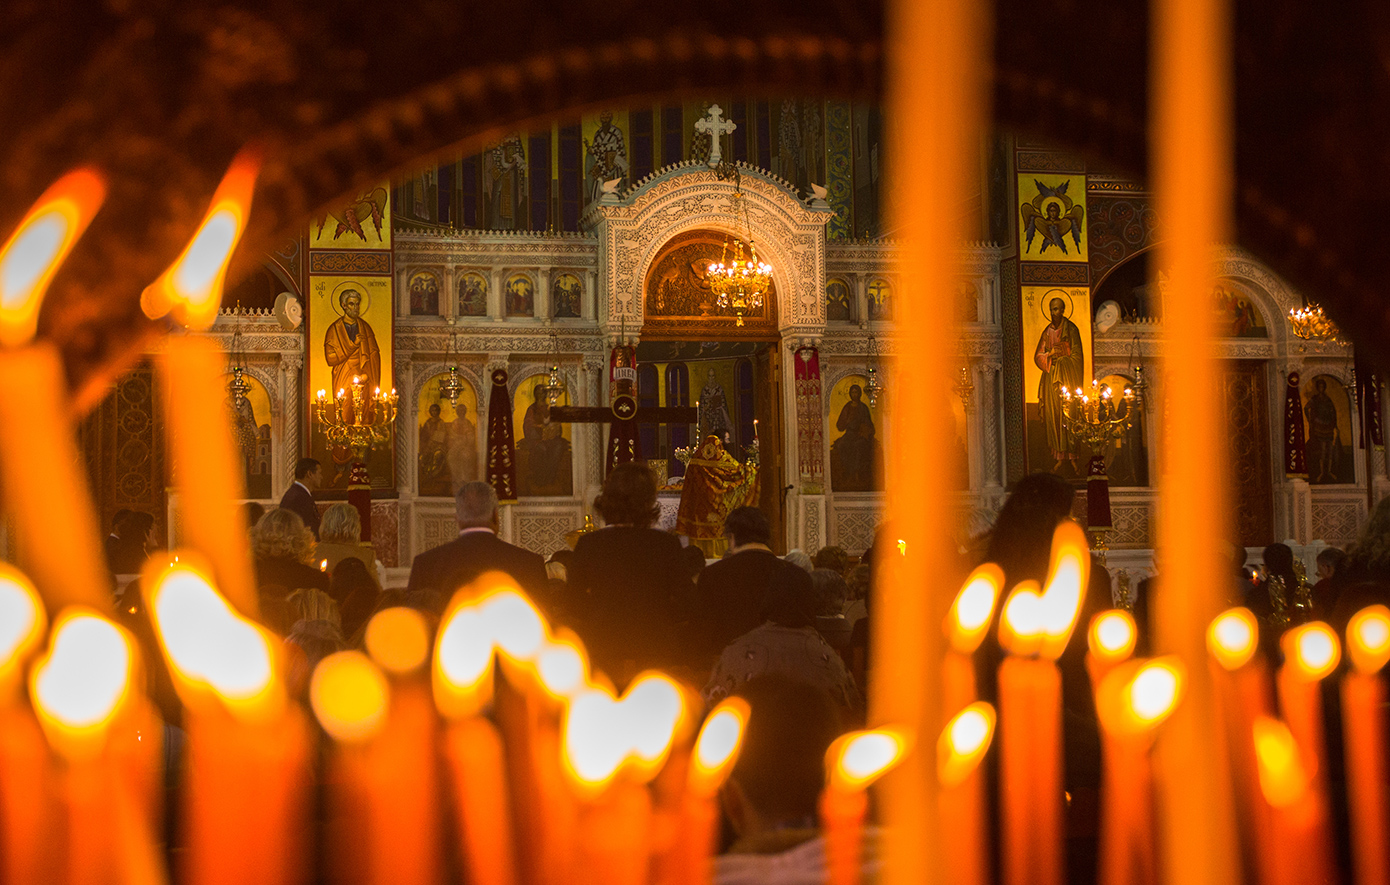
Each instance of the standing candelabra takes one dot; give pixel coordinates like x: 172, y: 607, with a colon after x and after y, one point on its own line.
x: 355, y: 420
x: 1097, y: 416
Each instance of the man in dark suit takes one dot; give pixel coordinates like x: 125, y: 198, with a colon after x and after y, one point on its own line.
x: 299, y: 497
x: 477, y: 549
x: 735, y: 594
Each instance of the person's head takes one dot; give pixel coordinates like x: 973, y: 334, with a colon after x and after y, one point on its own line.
x: 434, y: 410
x: 341, y: 524
x: 475, y: 505
x: 747, y: 525
x: 350, y: 576
x: 1021, y: 539
x: 799, y: 559
x: 1329, y: 561
x: 1278, y: 559
x: 629, y: 496
x: 1057, y: 309
x: 829, y: 591
x: 1054, y: 211
x: 855, y: 391
x: 832, y: 557
x: 351, y: 302
x: 309, y: 472
x: 281, y: 534
x: 780, y: 771
x: 311, y: 604
x: 564, y: 556
x: 538, y: 393
x: 859, y: 581
x: 1320, y: 385
x: 118, y: 520
x: 605, y: 117
x: 252, y: 512
x: 694, y: 559
x: 138, y: 527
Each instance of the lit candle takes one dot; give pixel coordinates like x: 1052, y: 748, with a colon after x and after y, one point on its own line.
x: 716, y: 752
x: 1295, y: 816
x: 960, y: 749
x: 1034, y: 630
x: 966, y: 625
x: 1110, y: 641
x: 853, y: 762
x: 36, y: 432
x: 248, y: 747
x: 26, y: 808
x: 1363, y: 731
x: 1311, y: 653
x: 1131, y: 701
x: 200, y: 440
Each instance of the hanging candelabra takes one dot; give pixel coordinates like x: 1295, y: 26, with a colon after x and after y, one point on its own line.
x: 452, y: 385
x: 555, y: 383
x: 1310, y: 323
x: 740, y: 278
x: 963, y: 388
x: 874, y: 389
x: 355, y: 419
x: 1097, y: 416
x: 238, y: 387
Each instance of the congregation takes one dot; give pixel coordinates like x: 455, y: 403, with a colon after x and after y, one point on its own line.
x: 789, y: 634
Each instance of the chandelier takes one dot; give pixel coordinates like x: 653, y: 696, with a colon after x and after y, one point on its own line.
x: 238, y: 387
x: 874, y: 388
x: 964, y: 387
x: 740, y: 279
x: 555, y: 383
x: 353, y: 419
x: 452, y: 386
x: 1311, y: 324
x: 1097, y: 416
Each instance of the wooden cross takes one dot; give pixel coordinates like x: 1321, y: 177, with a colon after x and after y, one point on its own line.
x: 717, y: 127
x: 624, y: 415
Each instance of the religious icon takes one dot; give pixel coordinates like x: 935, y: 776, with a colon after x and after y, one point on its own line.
x: 472, y: 295
x: 424, y: 294
x: 447, y: 455
x: 1327, y: 413
x: 565, y: 292
x: 361, y: 223
x: 543, y: 456
x: 505, y: 170
x: 1053, y: 223
x: 880, y: 301
x: 714, y: 409
x: 605, y: 157
x: 1060, y: 356
x: 249, y: 417
x: 349, y: 345
x: 520, y: 296
x: 1237, y: 316
x: 856, y: 455
x: 839, y: 303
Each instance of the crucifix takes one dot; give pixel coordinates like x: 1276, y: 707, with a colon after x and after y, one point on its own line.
x: 624, y: 415
x: 717, y: 127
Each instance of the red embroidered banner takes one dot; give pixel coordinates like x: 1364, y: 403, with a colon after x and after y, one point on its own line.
x: 501, y: 448
x: 1368, y: 403
x: 810, y: 423
x: 360, y: 496
x: 1097, y: 494
x: 623, y: 444
x: 1295, y: 457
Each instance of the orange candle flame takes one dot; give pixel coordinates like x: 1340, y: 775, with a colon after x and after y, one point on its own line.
x: 350, y: 696
x: 593, y: 740
x: 717, y: 746
x: 1368, y: 639
x: 653, y: 707
x: 81, y: 683
x: 210, y: 646
x: 516, y: 627
x: 1112, y: 636
x: 964, y: 742
x: 856, y: 760
x: 1067, y: 575
x: 398, y: 639
x: 973, y: 608
x: 1283, y: 779
x: 1135, y: 698
x: 1311, y: 651
x: 22, y: 621
x: 463, y: 661
x: 1233, y: 637
x: 562, y: 668
x: 1020, y: 626
x: 38, y: 247
x: 191, y: 288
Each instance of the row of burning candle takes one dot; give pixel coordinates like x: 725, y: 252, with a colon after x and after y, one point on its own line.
x: 553, y: 777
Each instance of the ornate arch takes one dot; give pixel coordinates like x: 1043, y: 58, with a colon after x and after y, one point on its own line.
x: 689, y: 196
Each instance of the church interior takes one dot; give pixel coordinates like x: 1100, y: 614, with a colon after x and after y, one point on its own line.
x: 868, y: 289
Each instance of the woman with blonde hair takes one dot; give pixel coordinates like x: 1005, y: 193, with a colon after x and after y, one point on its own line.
x: 284, y: 550
x: 340, y: 537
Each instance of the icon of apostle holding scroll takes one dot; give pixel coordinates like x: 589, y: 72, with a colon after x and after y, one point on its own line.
x: 350, y: 348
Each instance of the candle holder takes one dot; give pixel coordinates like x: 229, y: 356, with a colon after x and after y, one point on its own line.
x: 354, y: 420
x: 1096, y: 416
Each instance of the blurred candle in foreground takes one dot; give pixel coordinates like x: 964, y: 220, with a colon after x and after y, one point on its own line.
x: 248, y: 747
x: 200, y: 440
x: 38, y: 450
x: 1363, y: 732
x: 1311, y: 654
x: 1131, y: 701
x: 1294, y: 814
x: 853, y: 762
x: 959, y: 752
x: 966, y: 625
x: 1109, y: 641
x: 26, y: 807
x: 716, y: 752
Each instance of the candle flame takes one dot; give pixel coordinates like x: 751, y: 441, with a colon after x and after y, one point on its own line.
x: 1368, y: 639
x: 82, y: 681
x: 1067, y: 576
x: 1020, y: 625
x: 602, y: 733
x: 1155, y: 690
x: 973, y: 608
x: 398, y: 639
x: 38, y: 247
x: 1232, y: 636
x: 1311, y: 650
x: 1283, y: 779
x: 964, y: 742
x: 210, y: 645
x: 718, y: 745
x: 593, y: 740
x: 22, y: 620
x: 192, y: 286
x: 350, y: 696
x: 1112, y: 636
x: 514, y: 624
x: 859, y: 758
x: 562, y: 669
x: 654, y: 706
x: 462, y: 661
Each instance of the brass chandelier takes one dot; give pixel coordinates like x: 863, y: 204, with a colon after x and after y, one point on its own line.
x: 1098, y: 416
x: 1311, y: 324
x: 355, y: 419
x: 740, y: 279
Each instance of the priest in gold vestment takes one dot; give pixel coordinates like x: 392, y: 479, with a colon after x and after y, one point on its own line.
x: 715, y: 483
